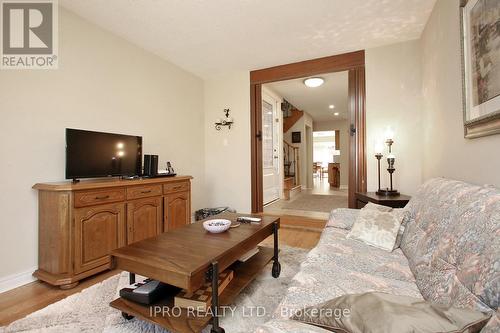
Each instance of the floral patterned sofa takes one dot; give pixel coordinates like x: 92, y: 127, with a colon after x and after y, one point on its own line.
x: 449, y: 253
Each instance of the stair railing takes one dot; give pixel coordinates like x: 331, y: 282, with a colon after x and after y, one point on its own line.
x: 291, y: 162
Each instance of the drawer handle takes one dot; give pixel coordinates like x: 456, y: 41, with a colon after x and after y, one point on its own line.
x: 177, y: 187
x: 102, y: 197
x: 144, y: 192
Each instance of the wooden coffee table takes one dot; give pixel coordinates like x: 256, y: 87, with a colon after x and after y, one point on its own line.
x: 187, y: 258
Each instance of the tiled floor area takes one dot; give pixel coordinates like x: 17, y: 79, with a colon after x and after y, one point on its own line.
x: 321, y: 187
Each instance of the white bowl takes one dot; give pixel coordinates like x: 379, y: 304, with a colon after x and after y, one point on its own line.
x: 216, y: 225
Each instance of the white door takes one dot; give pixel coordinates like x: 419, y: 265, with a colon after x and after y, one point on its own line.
x: 270, y: 149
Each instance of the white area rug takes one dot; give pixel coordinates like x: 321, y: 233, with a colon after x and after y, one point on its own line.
x: 89, y: 310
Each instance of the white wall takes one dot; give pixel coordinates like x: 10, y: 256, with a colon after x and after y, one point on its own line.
x: 393, y: 98
x: 446, y: 152
x: 343, y: 127
x: 103, y: 83
x: 227, y: 152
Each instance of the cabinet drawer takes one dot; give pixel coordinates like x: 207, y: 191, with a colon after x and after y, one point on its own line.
x: 176, y: 187
x: 97, y: 197
x: 145, y: 191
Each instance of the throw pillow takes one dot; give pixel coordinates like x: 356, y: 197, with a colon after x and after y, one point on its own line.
x: 403, y: 216
x: 376, y: 207
x: 342, y: 218
x: 376, y: 227
x: 375, y: 312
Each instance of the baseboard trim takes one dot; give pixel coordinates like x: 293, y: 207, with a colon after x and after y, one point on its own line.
x: 17, y: 280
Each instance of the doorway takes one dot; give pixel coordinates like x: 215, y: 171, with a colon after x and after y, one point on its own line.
x: 353, y: 63
x: 316, y: 163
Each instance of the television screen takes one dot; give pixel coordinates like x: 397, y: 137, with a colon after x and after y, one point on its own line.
x: 95, y: 154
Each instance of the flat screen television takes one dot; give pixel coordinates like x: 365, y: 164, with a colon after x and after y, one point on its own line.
x: 95, y: 154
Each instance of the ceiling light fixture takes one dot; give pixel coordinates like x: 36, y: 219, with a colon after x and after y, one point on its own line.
x: 331, y: 106
x: 314, y: 82
x: 336, y: 114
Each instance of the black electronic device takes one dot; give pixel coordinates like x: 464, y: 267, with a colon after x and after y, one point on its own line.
x: 154, y: 165
x: 147, y: 292
x: 92, y: 154
x: 150, y: 166
x: 147, y: 165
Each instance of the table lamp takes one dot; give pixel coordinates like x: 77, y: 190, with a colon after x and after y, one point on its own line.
x: 391, y: 158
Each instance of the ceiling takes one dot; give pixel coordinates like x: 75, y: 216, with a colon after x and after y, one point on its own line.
x: 315, y: 101
x: 207, y: 37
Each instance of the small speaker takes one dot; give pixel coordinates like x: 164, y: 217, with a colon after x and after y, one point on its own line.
x: 150, y: 165
x: 154, y: 166
x: 147, y: 166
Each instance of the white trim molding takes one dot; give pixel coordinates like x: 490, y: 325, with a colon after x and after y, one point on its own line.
x: 17, y: 280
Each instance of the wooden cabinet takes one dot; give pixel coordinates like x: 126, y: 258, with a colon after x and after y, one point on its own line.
x: 98, y: 230
x: 177, y: 210
x: 334, y: 174
x: 80, y: 223
x: 144, y: 219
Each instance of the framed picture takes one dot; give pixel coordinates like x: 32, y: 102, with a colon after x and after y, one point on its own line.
x: 481, y: 67
x: 295, y: 137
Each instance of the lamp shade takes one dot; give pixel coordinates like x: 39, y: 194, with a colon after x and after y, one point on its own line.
x: 389, y: 133
x: 378, y: 148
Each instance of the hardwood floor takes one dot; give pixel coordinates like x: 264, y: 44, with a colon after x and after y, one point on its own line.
x: 18, y: 303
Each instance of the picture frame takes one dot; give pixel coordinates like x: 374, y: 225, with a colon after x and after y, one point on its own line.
x: 296, y: 137
x: 480, y: 36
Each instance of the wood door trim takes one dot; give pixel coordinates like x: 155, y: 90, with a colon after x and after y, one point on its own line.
x: 336, y: 63
x: 357, y: 152
x: 354, y: 62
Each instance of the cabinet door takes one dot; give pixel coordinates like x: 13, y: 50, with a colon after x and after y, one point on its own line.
x: 143, y: 219
x: 98, y: 230
x: 177, y: 210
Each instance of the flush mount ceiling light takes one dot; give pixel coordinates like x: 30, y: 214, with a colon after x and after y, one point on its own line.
x: 331, y: 106
x: 336, y: 114
x: 313, y: 82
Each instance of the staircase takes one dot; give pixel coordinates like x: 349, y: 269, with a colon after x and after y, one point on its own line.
x: 289, y: 121
x: 291, y: 183
x: 290, y: 115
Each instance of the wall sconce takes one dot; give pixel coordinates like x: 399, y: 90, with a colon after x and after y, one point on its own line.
x: 228, y: 121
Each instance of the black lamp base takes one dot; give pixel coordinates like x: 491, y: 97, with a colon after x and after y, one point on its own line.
x: 388, y: 193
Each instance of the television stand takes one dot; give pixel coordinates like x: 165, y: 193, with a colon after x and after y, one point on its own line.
x: 80, y: 223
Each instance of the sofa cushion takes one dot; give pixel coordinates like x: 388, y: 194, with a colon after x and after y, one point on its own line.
x: 342, y: 218
x: 388, y: 313
x: 493, y: 325
x: 376, y: 227
x: 338, y: 266
x: 452, y: 242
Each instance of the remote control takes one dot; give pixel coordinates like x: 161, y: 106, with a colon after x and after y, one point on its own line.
x: 248, y: 219
x: 148, y: 287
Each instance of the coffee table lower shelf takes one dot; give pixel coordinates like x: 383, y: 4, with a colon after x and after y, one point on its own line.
x: 244, y: 273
